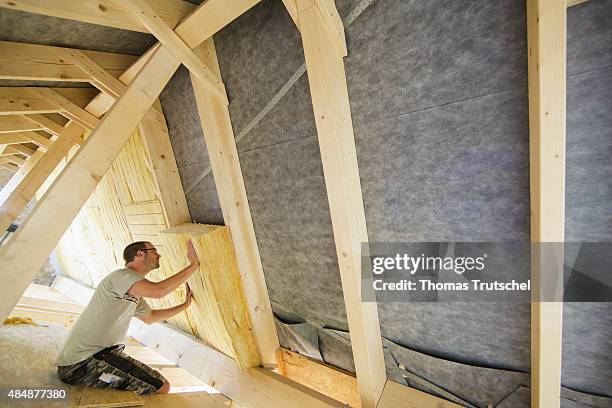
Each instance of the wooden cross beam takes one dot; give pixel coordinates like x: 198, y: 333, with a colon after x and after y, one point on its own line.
x: 47, y: 124
x: 25, y: 137
x: 16, y: 149
x: 175, y: 44
x: 17, y: 123
x: 111, y: 13
x: 69, y: 109
x: 20, y: 100
x: 40, y: 62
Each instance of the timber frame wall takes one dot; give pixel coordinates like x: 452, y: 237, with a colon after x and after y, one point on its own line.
x: 128, y: 99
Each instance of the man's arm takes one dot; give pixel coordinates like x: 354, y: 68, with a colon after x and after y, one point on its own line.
x: 159, y: 315
x: 156, y: 290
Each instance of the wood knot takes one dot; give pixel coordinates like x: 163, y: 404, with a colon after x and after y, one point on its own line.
x: 10, y: 3
x: 102, y: 7
x: 163, y: 156
x: 96, y: 178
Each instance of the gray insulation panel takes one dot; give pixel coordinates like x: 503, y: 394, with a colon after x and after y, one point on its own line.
x: 587, y: 327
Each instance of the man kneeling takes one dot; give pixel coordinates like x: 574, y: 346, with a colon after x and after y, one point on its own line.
x: 93, y: 353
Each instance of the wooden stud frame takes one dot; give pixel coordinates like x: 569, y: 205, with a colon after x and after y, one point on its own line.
x: 546, y: 35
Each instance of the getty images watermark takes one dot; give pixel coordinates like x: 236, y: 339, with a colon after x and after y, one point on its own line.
x: 487, y: 272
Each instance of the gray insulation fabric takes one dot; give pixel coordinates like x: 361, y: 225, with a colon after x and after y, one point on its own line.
x: 587, y: 327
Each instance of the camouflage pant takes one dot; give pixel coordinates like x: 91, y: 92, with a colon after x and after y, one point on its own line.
x: 111, y: 368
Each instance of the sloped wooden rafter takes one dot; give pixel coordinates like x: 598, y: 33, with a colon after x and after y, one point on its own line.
x: 111, y: 13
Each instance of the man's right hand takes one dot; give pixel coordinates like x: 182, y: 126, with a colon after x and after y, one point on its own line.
x: 192, y: 257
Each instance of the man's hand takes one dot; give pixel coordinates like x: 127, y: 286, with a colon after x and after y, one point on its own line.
x: 188, y: 296
x: 192, y: 257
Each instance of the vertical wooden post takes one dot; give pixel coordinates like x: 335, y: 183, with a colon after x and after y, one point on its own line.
x: 546, y: 32
x: 225, y: 164
x: 330, y: 102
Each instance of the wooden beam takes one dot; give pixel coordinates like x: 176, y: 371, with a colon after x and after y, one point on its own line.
x: 337, y: 384
x: 291, y: 7
x: 40, y: 62
x: 69, y: 109
x: 17, y: 200
x: 547, y: 42
x: 48, y: 125
x: 18, y: 100
x: 26, y: 252
x: 331, y: 107
x: 254, y: 387
x: 17, y: 149
x: 21, y: 173
x: 103, y: 101
x: 17, y: 123
x: 165, y: 172
x: 111, y: 13
x: 400, y: 396
x: 10, y: 167
x: 209, y: 18
x: 221, y: 145
x: 332, y: 23
x: 25, y: 137
x: 571, y: 3
x: 100, y: 78
x: 175, y: 44
x: 15, y: 160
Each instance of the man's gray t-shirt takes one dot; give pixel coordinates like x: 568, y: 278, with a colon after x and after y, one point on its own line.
x: 106, y: 319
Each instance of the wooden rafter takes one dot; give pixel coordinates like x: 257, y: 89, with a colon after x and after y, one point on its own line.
x: 100, y: 78
x: 9, y: 167
x: 571, y: 3
x: 17, y: 123
x: 210, y: 17
x: 25, y: 137
x: 111, y: 13
x: 17, y: 177
x: 19, y: 100
x: 27, y: 251
x: 40, y: 62
x: 31, y: 182
x: 15, y: 160
x: 175, y: 44
x: 225, y: 163
x: 69, y: 109
x: 48, y: 125
x: 547, y: 42
x: 331, y: 107
x: 16, y: 149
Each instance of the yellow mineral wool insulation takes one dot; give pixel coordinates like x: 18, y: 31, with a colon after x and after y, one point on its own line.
x: 219, y: 314
x: 18, y: 320
x: 123, y: 208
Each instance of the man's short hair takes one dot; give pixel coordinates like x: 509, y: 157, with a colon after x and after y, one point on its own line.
x: 130, y: 251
